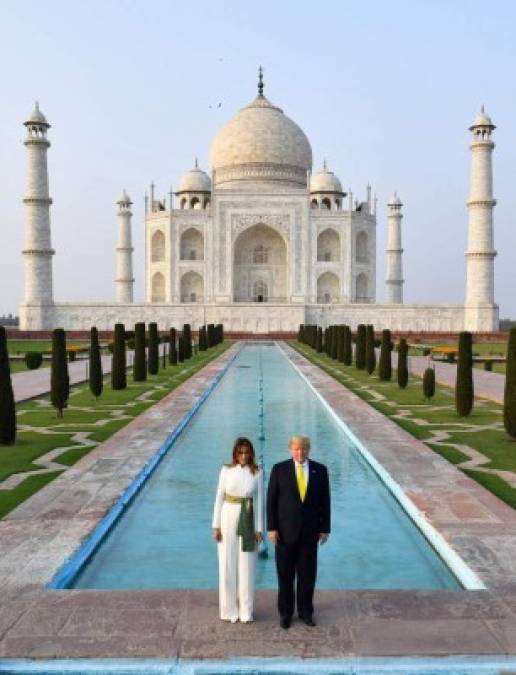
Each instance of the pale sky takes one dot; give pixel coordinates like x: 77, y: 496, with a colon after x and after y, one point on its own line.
x: 385, y: 91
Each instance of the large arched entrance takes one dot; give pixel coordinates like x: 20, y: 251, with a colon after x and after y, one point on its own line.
x: 260, y: 266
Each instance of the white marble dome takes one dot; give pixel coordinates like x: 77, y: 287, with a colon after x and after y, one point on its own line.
x: 195, y: 180
x: 37, y: 117
x: 261, y: 144
x: 482, y: 120
x: 325, y: 181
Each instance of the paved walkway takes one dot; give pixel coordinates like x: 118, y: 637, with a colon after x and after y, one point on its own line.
x: 486, y: 384
x: 32, y: 383
x: 41, y: 533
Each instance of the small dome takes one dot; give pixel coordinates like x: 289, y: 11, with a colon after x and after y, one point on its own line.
x: 124, y: 199
x: 37, y: 117
x: 261, y: 144
x: 395, y: 200
x: 482, y: 120
x: 195, y: 180
x: 325, y: 181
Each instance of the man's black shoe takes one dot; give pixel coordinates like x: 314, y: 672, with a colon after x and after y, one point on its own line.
x: 285, y: 622
x: 309, y: 620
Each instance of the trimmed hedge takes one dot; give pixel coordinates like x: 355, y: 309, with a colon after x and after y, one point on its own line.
x: 370, y: 354
x: 7, y: 404
x: 33, y: 360
x: 464, y: 379
x: 403, y: 364
x: 509, y: 399
x: 153, y: 364
x: 119, y: 364
x: 59, y: 379
x: 140, y: 358
x: 96, y: 380
x: 429, y: 383
x: 385, y: 364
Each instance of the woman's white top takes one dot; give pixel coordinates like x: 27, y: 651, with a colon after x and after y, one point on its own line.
x: 238, y: 481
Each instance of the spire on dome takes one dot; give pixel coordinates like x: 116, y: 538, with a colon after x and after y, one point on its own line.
x: 325, y: 167
x: 260, y: 81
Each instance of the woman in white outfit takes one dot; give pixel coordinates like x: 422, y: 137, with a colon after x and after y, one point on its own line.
x: 238, y: 527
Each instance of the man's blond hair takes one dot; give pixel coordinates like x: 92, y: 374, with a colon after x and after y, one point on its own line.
x: 301, y: 440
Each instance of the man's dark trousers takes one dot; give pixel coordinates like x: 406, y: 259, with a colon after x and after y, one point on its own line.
x: 298, y: 524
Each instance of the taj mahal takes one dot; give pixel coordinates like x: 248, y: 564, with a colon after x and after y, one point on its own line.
x: 262, y: 243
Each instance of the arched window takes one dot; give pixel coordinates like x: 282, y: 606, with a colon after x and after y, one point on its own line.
x: 192, y: 245
x: 326, y: 204
x: 195, y: 203
x: 361, y: 248
x: 192, y: 287
x: 361, y: 294
x: 206, y: 203
x: 183, y: 203
x: 158, y: 246
x: 260, y: 291
x: 260, y: 254
x: 314, y: 204
x: 328, y: 246
x: 158, y: 288
x: 328, y: 288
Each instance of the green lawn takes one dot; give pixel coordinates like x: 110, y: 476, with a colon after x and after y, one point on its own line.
x: 482, y: 430
x: 20, y: 347
x: 40, y: 430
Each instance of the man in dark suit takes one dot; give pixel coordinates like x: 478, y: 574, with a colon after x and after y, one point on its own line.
x: 298, y: 519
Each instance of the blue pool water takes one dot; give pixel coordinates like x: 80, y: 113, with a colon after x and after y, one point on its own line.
x: 163, y: 540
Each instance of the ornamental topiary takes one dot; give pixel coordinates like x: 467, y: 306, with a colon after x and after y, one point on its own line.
x: 360, y: 347
x: 429, y: 383
x: 180, y: 349
x: 140, y: 357
x: 119, y: 364
x: 7, y: 405
x: 33, y: 360
x: 59, y: 380
x: 509, y: 399
x: 402, y: 363
x: 370, y: 354
x: 319, y: 342
x: 348, y: 347
x: 187, y: 338
x: 385, y: 364
x: 96, y: 380
x: 464, y: 379
x: 153, y: 365
x: 172, y: 348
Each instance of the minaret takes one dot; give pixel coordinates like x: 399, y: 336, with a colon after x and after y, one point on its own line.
x: 124, y: 252
x: 394, y: 278
x: 481, y: 313
x: 37, y: 251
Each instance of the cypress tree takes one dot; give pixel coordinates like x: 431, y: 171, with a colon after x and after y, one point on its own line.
x: 187, y: 338
x: 385, y: 364
x: 300, y: 336
x: 96, y: 380
x: 402, y: 364
x: 140, y: 360
x: 509, y: 399
x: 348, y: 346
x: 172, y: 348
x: 340, y: 343
x: 429, y: 383
x: 180, y: 349
x: 319, y: 341
x: 59, y: 380
x: 360, y: 347
x: 334, y: 341
x: 164, y: 355
x: 7, y: 405
x: 464, y: 379
x: 370, y: 354
x: 211, y: 336
x: 119, y: 364
x: 153, y: 349
x: 221, y: 336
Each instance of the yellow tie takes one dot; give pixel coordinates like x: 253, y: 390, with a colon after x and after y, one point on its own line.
x: 301, y: 481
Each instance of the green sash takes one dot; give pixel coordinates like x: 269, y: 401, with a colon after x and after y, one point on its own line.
x: 245, y: 527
